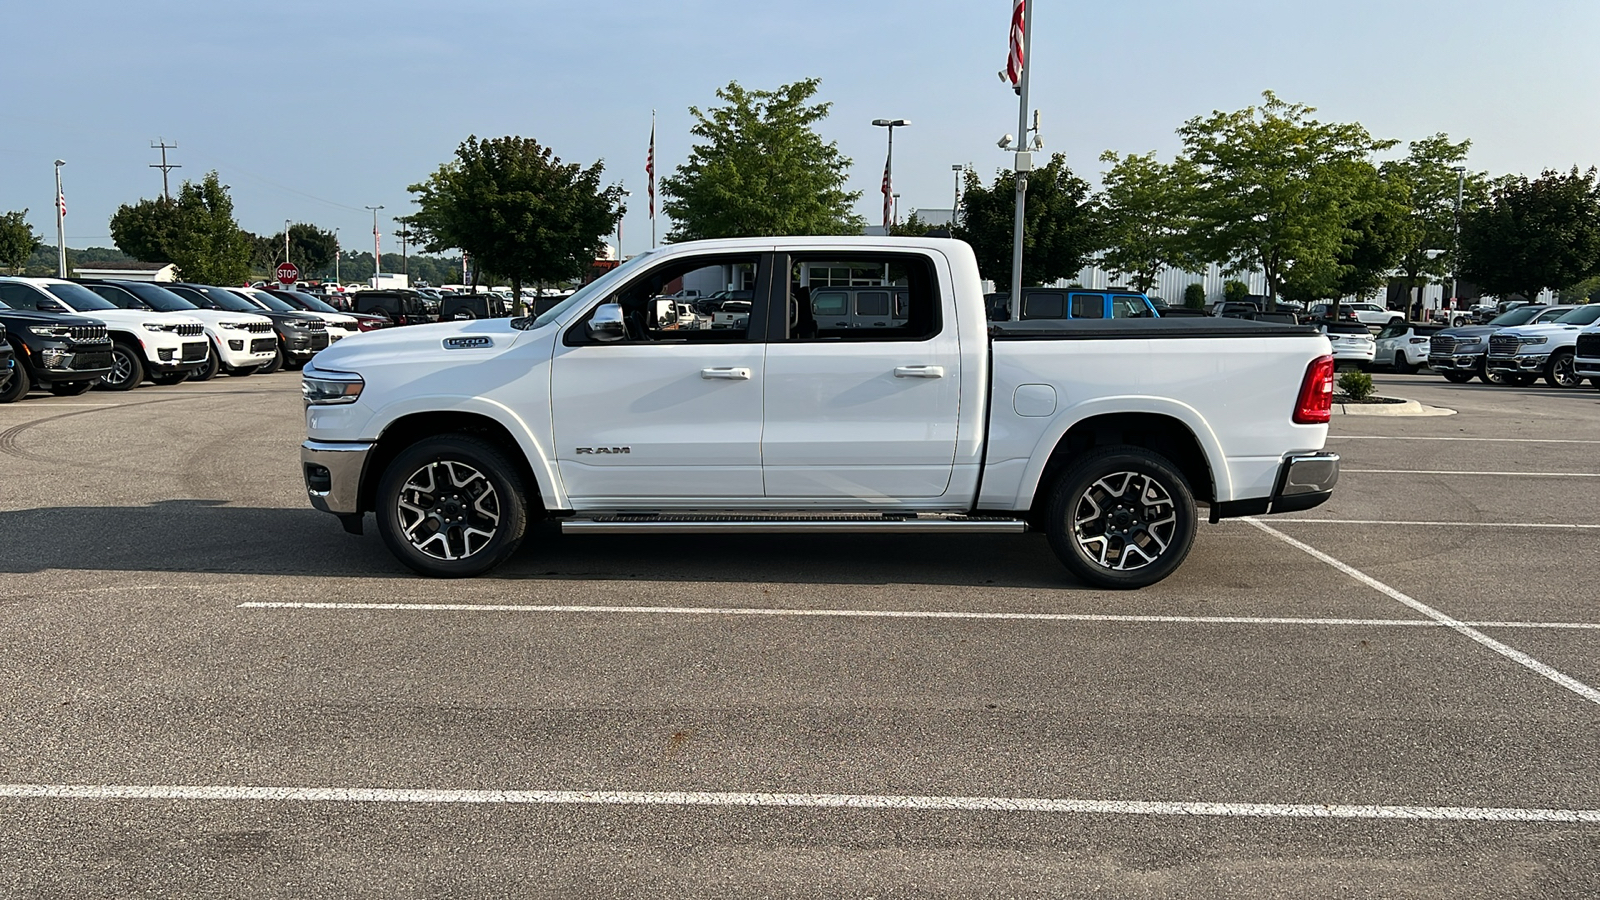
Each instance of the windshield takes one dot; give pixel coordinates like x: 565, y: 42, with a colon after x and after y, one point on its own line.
x: 599, y: 287
x: 309, y: 302
x: 79, y: 297
x: 221, y: 299
x: 1583, y: 315
x: 269, y: 301
x: 159, y: 298
x: 1519, y: 316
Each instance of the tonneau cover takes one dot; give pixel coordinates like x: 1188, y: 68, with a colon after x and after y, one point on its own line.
x: 1134, y: 329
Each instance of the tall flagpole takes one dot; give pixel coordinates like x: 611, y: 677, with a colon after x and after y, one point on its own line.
x: 61, y: 213
x: 651, y: 168
x: 1024, y: 162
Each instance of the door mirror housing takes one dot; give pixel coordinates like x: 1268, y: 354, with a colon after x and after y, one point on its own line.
x: 606, y: 324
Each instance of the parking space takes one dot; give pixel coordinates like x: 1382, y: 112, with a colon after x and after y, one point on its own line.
x: 606, y: 714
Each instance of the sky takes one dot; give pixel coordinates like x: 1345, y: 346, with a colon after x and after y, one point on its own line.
x: 311, y: 111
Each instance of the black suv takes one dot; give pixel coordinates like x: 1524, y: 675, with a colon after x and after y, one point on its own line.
x: 472, y: 306
x: 300, y: 335
x: 67, y: 354
x: 399, y: 307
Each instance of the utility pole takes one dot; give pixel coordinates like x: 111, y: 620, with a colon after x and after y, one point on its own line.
x: 377, y: 261
x: 337, y: 252
x: 404, y: 234
x: 162, y: 145
x: 1455, y: 251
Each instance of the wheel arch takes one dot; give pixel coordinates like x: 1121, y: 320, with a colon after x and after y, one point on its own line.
x: 407, y: 429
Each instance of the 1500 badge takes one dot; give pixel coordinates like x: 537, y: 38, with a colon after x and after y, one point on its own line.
x: 468, y: 342
x: 582, y: 450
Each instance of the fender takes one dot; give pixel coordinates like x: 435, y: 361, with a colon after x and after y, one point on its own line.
x: 1216, y: 461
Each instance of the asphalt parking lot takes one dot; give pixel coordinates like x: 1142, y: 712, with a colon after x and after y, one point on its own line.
x: 208, y: 689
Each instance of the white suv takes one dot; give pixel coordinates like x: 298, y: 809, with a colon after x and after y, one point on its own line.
x: 164, y: 348
x: 340, y: 326
x: 240, y: 342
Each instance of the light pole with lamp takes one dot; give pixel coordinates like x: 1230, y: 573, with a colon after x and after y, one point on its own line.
x: 619, y: 228
x: 285, y: 240
x: 896, y: 207
x: 377, y: 264
x: 955, y: 203
x: 61, y: 230
x: 1455, y: 251
x: 337, y: 251
x: 888, y: 167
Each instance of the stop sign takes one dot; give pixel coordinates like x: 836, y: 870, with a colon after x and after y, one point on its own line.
x: 288, y: 273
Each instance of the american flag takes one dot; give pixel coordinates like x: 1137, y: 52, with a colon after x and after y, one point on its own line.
x: 61, y: 203
x: 888, y: 192
x: 1017, y: 58
x: 650, y: 167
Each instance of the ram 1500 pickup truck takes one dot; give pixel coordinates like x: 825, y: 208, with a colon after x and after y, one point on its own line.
x: 1104, y: 434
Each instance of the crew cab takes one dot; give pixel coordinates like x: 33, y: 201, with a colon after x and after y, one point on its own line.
x: 1526, y: 352
x: 63, y: 353
x: 144, y: 344
x: 1103, y: 434
x: 238, y: 341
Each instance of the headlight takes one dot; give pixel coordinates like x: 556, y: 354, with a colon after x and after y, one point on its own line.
x: 158, y: 326
x: 51, y: 331
x: 234, y: 326
x: 330, y: 388
x: 1534, y: 340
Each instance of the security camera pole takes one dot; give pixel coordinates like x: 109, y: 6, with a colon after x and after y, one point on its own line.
x: 1018, y: 67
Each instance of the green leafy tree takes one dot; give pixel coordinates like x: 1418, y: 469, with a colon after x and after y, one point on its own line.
x: 1061, y: 231
x: 205, y: 241
x: 1375, y: 238
x: 1428, y: 174
x: 310, y: 248
x: 144, y: 229
x: 913, y: 226
x: 1194, y: 296
x: 517, y: 209
x: 1143, y: 209
x: 1534, y: 235
x: 759, y: 169
x: 17, y: 240
x: 1278, y: 190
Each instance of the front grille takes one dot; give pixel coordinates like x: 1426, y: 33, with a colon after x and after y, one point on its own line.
x: 1442, y: 345
x: 315, y: 325
x: 164, y: 354
x: 194, y: 330
x: 260, y: 327
x: 1589, y: 346
x: 1503, y: 345
x: 264, y: 345
x: 88, y: 334
x: 319, y: 341
x: 194, y: 351
x: 96, y: 360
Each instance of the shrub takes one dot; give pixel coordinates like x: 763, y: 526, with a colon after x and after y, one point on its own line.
x: 1194, y: 296
x: 1356, y: 385
x: 1235, y: 291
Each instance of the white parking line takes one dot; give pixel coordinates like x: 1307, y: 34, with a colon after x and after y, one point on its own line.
x: 1459, y: 472
x: 1511, y: 653
x: 889, y: 614
x: 914, y: 803
x: 1552, y: 525
x: 1382, y: 437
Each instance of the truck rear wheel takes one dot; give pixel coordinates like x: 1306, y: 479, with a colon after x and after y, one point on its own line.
x: 1121, y: 518
x: 452, y: 507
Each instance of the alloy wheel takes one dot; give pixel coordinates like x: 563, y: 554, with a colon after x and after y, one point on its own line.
x: 1125, y: 521
x: 448, y: 510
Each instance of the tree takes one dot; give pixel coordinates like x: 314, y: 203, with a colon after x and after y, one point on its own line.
x: 144, y: 229
x: 1278, y: 190
x: 1375, y: 237
x: 1428, y: 173
x: 913, y: 226
x: 1534, y: 235
x: 205, y: 241
x: 517, y: 209
x: 760, y: 170
x: 1060, y: 231
x: 17, y: 241
x: 1143, y: 209
x: 310, y: 248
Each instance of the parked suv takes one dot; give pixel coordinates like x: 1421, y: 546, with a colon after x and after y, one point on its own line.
x: 339, y: 325
x: 298, y: 335
x: 1403, y: 346
x: 144, y: 344
x: 1458, y: 353
x: 1528, y: 351
x: 237, y: 341
x: 471, y: 306
x: 66, y: 354
x: 311, y: 303
x: 1070, y: 303
x: 398, y: 307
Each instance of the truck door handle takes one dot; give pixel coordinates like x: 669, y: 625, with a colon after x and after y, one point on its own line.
x: 919, y: 372
x: 725, y: 373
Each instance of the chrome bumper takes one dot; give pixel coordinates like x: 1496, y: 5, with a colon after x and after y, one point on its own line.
x: 333, y: 474
x: 1304, y: 480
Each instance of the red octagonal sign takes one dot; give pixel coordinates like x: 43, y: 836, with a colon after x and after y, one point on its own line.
x: 288, y: 273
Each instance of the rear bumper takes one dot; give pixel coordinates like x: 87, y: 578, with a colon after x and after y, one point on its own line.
x: 1305, y: 480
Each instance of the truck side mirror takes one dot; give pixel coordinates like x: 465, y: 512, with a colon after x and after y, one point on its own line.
x: 606, y: 324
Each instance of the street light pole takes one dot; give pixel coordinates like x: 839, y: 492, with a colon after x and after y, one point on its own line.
x: 888, y: 167
x: 337, y: 252
x: 1455, y: 252
x: 955, y: 203
x: 61, y: 230
x: 619, y: 229
x: 377, y: 261
x: 1024, y: 163
x: 285, y: 240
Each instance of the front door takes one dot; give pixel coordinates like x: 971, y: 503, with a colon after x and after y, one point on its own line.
x: 671, y: 413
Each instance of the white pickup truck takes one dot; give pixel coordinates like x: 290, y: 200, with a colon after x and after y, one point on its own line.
x: 1105, y: 434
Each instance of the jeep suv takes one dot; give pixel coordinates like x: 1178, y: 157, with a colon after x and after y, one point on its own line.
x: 66, y: 354
x: 299, y: 335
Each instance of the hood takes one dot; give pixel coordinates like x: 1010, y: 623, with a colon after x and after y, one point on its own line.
x: 133, y: 318
x: 483, y: 338
x: 1545, y: 328
x: 30, y: 317
x: 1469, y: 331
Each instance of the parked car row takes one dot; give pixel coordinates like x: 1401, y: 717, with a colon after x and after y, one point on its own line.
x: 67, y: 336
x: 1559, y: 343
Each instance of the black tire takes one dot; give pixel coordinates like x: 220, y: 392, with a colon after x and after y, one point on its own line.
x: 169, y: 378
x: 1459, y: 377
x: 70, y: 388
x: 1089, y: 508
x: 209, y: 369
x: 1561, y: 372
x: 243, y: 371
x: 1492, y: 377
x: 127, y: 369
x: 479, y: 535
x: 18, y: 386
x: 276, y: 364
x: 1402, y: 365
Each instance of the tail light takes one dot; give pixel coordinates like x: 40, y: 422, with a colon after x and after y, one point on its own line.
x: 1315, y: 406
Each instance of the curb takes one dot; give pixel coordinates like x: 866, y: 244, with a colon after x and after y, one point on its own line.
x: 1408, y: 408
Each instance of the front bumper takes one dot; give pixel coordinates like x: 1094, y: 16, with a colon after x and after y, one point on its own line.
x: 1586, y: 368
x: 1522, y: 364
x: 1461, y: 362
x: 333, y: 471
x: 1305, y: 480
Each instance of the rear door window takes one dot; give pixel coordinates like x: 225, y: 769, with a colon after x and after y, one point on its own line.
x: 1043, y: 305
x: 1088, y: 306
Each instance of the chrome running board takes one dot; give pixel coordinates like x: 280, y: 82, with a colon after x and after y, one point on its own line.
x: 839, y: 523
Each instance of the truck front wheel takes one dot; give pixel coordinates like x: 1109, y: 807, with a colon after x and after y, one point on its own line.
x: 452, y: 507
x: 1122, y: 517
